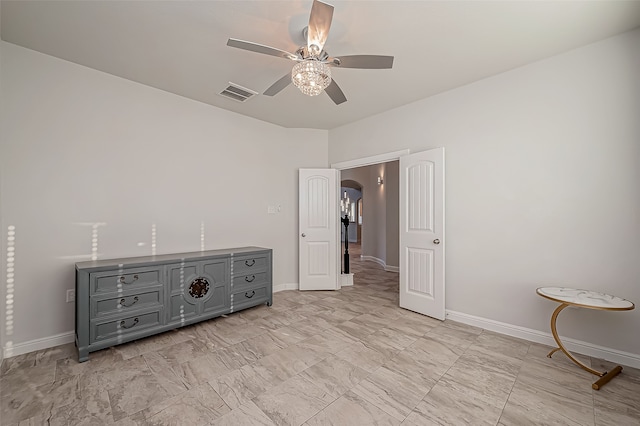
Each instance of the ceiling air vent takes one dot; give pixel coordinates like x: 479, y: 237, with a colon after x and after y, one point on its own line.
x: 237, y: 93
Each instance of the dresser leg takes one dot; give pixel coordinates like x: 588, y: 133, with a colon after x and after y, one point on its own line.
x: 83, y: 354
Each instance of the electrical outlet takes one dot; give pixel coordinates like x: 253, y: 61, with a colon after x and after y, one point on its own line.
x: 71, y: 295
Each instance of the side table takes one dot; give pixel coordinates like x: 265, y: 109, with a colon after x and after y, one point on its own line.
x: 584, y: 299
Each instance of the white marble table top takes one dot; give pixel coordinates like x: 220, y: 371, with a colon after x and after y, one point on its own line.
x: 586, y: 298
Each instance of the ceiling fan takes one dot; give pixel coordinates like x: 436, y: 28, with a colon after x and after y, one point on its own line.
x: 312, y: 71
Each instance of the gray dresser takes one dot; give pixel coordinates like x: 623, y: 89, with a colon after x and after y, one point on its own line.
x: 120, y: 300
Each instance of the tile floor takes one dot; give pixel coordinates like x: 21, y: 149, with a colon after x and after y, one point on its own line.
x: 350, y: 357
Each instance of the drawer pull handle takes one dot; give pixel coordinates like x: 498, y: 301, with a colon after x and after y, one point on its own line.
x: 253, y: 277
x: 253, y: 262
x: 135, y: 321
x: 135, y: 299
x: 253, y: 293
x: 123, y: 279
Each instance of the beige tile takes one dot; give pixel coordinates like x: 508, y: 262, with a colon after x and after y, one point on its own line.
x: 122, y: 371
x: 327, y: 341
x: 290, y: 335
x: 425, y: 371
x: 17, y: 362
x: 246, y: 415
x: 46, y: 356
x: 455, y: 338
x: 25, y: 400
x: 255, y: 312
x: 142, y: 346
x: 198, y: 406
x: 203, y: 369
x: 91, y: 408
x: 454, y: 325
x: 414, y: 325
x: 372, y: 321
x: 426, y: 358
x: 40, y: 358
x: 205, y: 333
x: 265, y: 344
x: 392, y: 338
x: 552, y: 379
x: 364, y: 356
x: 392, y: 392
x: 293, y: 402
x: 618, y: 402
x: 336, y: 316
x: 99, y: 360
x: 312, y: 325
x: 237, y: 355
x: 142, y: 391
x: 240, y: 386
x: 175, y: 354
x: 490, y: 380
x: 536, y: 402
x: 26, y: 376
x: 352, y: 410
x: 382, y: 344
x: 357, y: 330
x: 452, y: 404
x: 290, y: 361
x: 270, y: 322
x: 491, y: 343
x: 334, y: 375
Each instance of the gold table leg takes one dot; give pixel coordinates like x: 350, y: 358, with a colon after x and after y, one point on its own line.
x: 605, y: 377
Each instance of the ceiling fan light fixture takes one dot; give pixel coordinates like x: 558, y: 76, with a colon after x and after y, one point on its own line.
x: 311, y: 76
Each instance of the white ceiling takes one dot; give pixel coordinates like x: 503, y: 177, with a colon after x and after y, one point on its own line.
x: 180, y: 46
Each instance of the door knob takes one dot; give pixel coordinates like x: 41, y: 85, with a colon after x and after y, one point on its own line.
x: 304, y: 235
x: 436, y: 241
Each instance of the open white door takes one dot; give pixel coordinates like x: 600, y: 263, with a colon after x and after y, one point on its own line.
x: 422, y: 233
x: 318, y: 234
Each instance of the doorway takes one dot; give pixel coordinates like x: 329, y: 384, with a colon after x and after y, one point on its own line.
x: 420, y: 228
x: 370, y: 200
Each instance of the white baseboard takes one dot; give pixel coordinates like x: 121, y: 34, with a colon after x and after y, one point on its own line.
x: 577, y: 346
x: 286, y: 286
x: 10, y: 350
x: 381, y: 263
x: 373, y: 259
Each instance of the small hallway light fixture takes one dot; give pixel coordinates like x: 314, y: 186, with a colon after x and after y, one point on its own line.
x: 380, y: 181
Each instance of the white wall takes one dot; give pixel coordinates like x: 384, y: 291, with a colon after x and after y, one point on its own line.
x: 80, y: 147
x: 542, y: 174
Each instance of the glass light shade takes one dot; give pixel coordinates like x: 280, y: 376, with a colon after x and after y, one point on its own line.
x: 311, y: 77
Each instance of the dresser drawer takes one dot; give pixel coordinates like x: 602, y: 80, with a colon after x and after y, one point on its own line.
x: 250, y: 280
x: 254, y: 296
x: 250, y: 264
x: 108, y: 304
x: 124, y: 279
x: 127, y: 324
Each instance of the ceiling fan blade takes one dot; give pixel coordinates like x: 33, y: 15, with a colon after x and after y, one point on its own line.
x: 335, y: 93
x: 276, y: 87
x: 319, y: 24
x: 362, y: 61
x: 259, y: 48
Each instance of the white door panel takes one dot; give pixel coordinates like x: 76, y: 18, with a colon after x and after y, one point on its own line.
x: 422, y: 287
x: 318, y: 240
